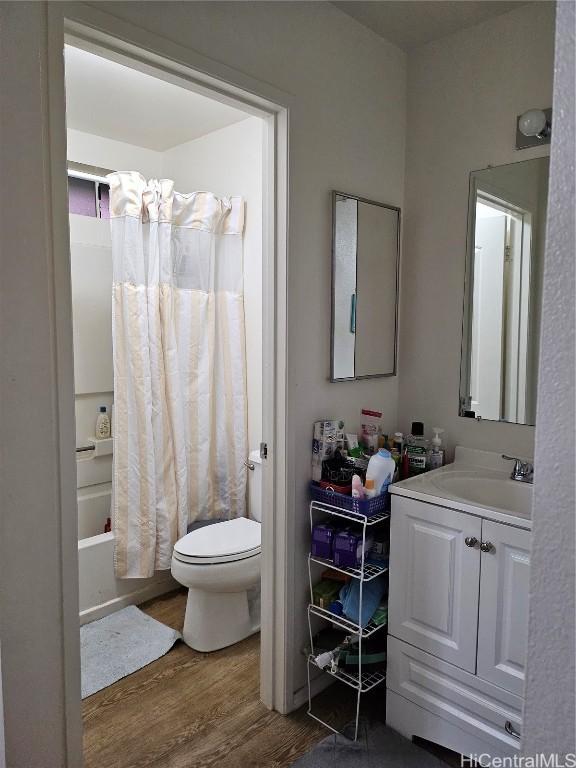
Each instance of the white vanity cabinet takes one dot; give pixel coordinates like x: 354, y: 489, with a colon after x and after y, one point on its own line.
x: 458, y: 622
x: 503, y: 610
x: 433, y: 598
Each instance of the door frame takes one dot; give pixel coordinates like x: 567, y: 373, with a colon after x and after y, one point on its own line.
x: 97, y: 31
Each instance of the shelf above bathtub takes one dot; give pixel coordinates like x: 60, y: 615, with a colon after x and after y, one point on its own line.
x: 102, y: 447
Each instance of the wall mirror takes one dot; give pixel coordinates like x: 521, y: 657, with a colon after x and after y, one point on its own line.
x: 365, y: 263
x: 503, y: 291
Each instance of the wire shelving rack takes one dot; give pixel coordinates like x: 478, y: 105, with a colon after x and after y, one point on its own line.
x: 364, y: 679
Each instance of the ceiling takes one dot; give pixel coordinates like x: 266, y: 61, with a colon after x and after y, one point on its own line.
x: 411, y: 23
x: 108, y: 99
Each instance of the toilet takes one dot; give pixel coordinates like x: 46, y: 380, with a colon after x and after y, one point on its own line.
x: 220, y: 565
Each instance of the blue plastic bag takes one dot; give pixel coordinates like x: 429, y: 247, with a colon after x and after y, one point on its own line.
x: 372, y: 594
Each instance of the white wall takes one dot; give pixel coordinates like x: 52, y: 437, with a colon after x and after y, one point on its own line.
x: 229, y: 162
x: 91, y: 273
x: 549, y: 714
x: 465, y: 92
x: 112, y: 155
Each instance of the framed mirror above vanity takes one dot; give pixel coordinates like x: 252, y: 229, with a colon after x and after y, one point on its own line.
x: 503, y: 291
x: 365, y: 275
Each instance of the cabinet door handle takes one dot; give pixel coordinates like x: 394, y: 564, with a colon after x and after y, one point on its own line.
x: 509, y: 728
x: 486, y: 546
x: 470, y: 541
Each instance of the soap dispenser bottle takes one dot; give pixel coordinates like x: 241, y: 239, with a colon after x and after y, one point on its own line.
x: 436, y: 452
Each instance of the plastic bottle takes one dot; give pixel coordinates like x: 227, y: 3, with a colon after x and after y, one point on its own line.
x: 416, y: 449
x: 436, y: 452
x: 404, y: 464
x: 398, y: 442
x: 357, y: 487
x: 369, y: 488
x: 102, y: 424
x: 381, y: 468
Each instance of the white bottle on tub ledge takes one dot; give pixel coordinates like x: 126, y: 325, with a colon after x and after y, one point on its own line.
x: 102, y: 424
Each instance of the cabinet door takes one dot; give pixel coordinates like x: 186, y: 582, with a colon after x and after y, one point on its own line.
x: 433, y: 600
x: 503, y: 617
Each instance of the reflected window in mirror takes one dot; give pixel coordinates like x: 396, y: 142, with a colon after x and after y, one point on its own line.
x: 365, y: 263
x: 506, y: 231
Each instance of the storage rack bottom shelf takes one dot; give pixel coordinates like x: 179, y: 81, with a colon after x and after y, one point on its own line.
x: 367, y: 681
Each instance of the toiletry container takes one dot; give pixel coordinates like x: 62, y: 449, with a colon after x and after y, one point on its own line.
x: 381, y: 468
x: 102, y: 424
x: 416, y: 449
x: 323, y: 541
x: 357, y: 487
x: 436, y: 452
x: 369, y: 488
x: 348, y: 548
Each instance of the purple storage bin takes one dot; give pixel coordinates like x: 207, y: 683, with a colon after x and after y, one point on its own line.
x: 348, y: 549
x: 323, y: 541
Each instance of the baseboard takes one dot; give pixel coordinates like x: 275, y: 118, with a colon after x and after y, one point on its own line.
x: 317, y: 685
x: 136, y: 597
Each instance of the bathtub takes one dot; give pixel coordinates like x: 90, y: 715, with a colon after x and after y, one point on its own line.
x: 101, y: 592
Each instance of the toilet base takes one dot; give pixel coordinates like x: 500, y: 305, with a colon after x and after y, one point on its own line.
x: 216, y: 620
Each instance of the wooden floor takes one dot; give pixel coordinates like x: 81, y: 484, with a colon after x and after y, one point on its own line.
x: 192, y: 710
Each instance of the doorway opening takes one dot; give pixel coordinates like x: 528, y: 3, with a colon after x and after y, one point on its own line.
x: 123, y: 124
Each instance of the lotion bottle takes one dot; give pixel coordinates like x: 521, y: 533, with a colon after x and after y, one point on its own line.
x: 357, y: 487
x: 102, y: 424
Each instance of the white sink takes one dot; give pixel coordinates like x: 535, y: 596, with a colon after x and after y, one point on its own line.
x: 475, y: 479
x: 489, y: 489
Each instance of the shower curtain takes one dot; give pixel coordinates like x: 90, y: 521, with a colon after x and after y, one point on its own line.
x: 180, y: 410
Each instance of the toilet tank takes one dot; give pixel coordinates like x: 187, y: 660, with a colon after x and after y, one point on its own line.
x: 255, y: 487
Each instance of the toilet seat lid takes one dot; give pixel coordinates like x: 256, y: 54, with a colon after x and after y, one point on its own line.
x: 230, y: 540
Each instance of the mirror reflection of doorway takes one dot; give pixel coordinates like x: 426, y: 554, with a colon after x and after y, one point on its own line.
x: 500, y: 327
x: 503, y: 291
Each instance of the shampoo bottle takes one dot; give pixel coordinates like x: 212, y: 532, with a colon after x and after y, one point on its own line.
x: 102, y: 424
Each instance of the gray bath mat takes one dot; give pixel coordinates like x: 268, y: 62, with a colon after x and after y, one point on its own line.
x: 120, y: 644
x: 377, y: 747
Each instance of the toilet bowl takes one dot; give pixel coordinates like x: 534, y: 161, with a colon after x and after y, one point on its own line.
x: 220, y: 565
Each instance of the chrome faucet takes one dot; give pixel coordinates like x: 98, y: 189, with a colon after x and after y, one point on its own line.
x: 523, y: 471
